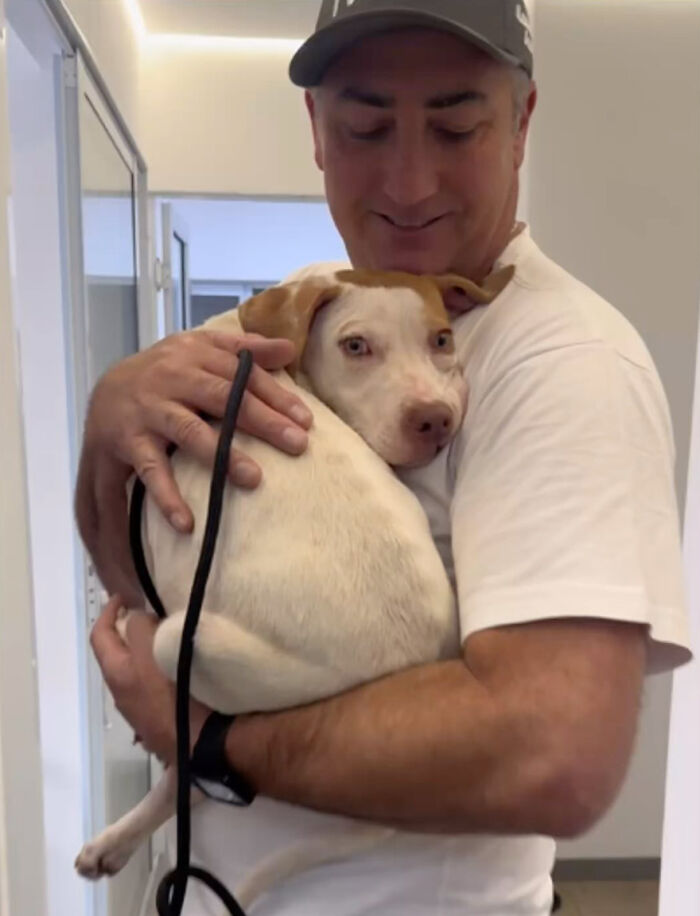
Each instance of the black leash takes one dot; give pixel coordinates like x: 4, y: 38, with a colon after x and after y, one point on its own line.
x: 171, y: 892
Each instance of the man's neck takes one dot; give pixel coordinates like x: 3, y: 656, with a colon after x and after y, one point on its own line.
x: 508, y: 229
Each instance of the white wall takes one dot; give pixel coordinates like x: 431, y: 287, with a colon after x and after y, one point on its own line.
x: 615, y: 198
x: 222, y: 121
x: 22, y: 860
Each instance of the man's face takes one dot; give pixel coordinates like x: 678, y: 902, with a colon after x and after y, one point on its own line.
x: 415, y: 132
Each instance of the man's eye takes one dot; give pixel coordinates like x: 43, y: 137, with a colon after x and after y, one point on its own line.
x: 455, y: 136
x: 375, y: 134
x: 355, y: 346
x: 444, y: 341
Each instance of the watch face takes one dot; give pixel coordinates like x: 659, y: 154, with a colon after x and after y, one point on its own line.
x: 218, y: 791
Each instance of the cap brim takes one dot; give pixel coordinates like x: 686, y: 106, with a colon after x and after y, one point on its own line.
x: 317, y: 53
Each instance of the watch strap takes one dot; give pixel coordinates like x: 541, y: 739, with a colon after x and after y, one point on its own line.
x: 209, y: 760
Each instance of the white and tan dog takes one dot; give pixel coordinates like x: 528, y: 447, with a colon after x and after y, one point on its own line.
x: 326, y: 575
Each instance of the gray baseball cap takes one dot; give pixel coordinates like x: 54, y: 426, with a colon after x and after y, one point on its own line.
x: 501, y: 28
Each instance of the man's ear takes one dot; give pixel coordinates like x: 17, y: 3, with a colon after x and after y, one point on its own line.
x: 311, y: 100
x: 524, y: 126
x: 461, y: 295
x: 287, y: 312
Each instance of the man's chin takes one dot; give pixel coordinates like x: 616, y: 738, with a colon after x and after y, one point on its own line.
x: 421, y: 252
x: 412, y: 262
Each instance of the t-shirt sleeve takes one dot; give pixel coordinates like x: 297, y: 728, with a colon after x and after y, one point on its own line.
x: 564, y: 502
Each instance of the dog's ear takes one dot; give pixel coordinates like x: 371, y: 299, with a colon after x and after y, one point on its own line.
x: 461, y: 295
x: 287, y: 311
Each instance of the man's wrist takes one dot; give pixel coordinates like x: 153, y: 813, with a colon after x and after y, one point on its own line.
x: 240, y: 749
x: 198, y: 716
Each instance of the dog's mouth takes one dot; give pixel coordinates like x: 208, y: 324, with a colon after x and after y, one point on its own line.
x: 407, y: 455
x: 420, y: 460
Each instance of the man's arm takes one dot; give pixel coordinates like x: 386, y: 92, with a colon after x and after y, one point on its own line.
x: 531, y: 733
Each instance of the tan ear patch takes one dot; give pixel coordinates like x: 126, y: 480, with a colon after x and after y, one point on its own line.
x: 492, y: 286
x: 287, y: 312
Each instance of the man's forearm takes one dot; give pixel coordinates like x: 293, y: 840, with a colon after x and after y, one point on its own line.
x: 429, y: 749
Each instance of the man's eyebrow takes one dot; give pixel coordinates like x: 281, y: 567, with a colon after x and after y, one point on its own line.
x: 456, y: 98
x: 373, y: 99
x: 354, y: 94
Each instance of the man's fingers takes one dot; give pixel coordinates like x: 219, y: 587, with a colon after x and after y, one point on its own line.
x: 152, y: 465
x: 270, y: 354
x: 111, y: 653
x: 261, y: 421
x: 260, y: 383
x: 257, y: 418
x: 195, y: 436
x: 282, y: 400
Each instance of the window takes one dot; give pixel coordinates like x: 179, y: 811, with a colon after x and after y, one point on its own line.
x: 211, y: 297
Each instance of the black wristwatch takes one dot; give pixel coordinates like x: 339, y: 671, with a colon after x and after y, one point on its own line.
x: 210, y: 770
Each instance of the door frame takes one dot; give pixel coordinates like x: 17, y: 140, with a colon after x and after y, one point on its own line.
x: 174, y: 226
x: 76, y: 82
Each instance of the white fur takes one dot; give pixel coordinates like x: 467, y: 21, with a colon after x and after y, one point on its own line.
x: 324, y: 577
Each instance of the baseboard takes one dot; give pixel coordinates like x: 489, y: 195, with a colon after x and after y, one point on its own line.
x: 607, y: 870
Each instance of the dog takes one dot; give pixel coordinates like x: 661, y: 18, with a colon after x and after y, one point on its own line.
x: 326, y: 575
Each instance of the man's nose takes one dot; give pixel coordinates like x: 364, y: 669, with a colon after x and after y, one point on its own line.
x: 410, y: 173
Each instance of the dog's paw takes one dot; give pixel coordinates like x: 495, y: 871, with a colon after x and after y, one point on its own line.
x: 100, y: 859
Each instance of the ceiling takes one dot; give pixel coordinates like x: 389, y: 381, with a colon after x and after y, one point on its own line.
x: 240, y: 18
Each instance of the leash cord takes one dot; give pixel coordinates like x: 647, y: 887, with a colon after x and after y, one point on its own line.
x: 171, y: 892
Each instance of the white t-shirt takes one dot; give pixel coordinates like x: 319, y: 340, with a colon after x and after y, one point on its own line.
x: 556, y: 499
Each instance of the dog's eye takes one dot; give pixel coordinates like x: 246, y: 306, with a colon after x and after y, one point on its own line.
x: 355, y: 346
x: 444, y: 341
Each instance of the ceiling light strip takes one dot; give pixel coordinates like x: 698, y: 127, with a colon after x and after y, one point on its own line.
x: 223, y: 42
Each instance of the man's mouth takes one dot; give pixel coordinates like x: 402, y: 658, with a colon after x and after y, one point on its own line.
x: 410, y: 225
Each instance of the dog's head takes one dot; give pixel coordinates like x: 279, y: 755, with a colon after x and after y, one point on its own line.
x: 382, y: 355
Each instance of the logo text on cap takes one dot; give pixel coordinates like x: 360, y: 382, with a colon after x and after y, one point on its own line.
x: 340, y: 6
x: 523, y: 17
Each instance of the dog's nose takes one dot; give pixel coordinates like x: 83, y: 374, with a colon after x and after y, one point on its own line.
x: 429, y: 421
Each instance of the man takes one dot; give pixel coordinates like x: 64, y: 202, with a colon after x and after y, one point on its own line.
x: 553, y: 508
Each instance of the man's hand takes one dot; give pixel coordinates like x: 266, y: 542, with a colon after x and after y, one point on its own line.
x: 154, y: 398
x: 142, y: 693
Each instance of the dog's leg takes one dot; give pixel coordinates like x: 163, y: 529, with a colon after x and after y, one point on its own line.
x: 236, y: 671
x: 109, y: 852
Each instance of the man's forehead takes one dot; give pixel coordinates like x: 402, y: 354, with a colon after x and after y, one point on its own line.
x: 442, y: 69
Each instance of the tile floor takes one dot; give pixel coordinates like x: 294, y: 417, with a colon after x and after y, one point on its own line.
x: 608, y: 898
